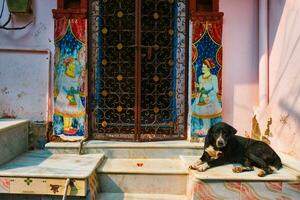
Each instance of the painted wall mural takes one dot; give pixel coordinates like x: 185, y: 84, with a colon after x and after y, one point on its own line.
x: 206, y: 102
x: 70, y: 78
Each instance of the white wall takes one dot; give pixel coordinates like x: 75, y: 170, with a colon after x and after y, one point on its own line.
x: 240, y: 62
x: 24, y: 75
x: 284, y: 45
x: 38, y: 35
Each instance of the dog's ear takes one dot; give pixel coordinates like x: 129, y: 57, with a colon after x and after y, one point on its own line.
x: 230, y: 129
x: 209, y: 137
x: 209, y: 131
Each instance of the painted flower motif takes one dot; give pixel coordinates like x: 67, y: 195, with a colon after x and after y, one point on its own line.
x: 201, y: 133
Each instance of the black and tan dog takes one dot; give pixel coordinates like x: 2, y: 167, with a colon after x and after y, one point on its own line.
x: 222, y: 146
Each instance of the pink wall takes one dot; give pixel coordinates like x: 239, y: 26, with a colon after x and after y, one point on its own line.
x: 284, y: 70
x: 240, y: 61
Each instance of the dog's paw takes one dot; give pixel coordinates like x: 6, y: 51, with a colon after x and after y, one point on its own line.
x: 196, y: 165
x: 203, y: 167
x: 261, y: 173
x: 237, y: 169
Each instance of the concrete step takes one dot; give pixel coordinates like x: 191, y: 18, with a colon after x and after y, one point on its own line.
x: 149, y: 176
x: 132, y: 196
x: 136, y: 150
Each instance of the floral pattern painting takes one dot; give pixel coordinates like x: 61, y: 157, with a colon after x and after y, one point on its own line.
x: 70, y: 78
x: 206, y: 80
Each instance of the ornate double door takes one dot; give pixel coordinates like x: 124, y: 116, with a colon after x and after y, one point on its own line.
x: 137, y: 69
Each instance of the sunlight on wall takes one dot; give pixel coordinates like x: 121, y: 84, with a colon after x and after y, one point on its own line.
x: 240, y: 62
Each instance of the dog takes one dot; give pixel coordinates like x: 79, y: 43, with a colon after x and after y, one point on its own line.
x: 222, y: 147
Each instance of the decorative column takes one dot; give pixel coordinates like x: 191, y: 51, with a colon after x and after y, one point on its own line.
x: 70, y: 71
x: 206, y: 80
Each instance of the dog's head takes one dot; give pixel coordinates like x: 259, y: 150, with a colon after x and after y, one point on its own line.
x: 220, y: 133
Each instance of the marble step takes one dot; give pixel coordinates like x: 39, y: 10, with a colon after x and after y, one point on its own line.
x: 13, y: 138
x: 137, y: 150
x: 133, y: 196
x: 143, y: 166
x: 143, y: 183
x: 150, y: 176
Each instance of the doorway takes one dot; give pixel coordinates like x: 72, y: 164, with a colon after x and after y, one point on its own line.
x: 138, y: 69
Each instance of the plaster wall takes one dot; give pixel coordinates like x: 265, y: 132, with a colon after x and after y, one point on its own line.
x: 284, y: 70
x: 25, y: 74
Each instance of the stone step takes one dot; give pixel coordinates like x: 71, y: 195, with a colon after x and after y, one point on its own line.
x: 136, y: 150
x: 143, y: 166
x: 133, y: 196
x: 150, y: 176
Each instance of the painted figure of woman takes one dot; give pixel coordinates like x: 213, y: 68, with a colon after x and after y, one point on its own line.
x: 206, y: 105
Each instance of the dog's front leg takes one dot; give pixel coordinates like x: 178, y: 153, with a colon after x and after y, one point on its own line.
x: 204, y: 158
x: 212, y: 163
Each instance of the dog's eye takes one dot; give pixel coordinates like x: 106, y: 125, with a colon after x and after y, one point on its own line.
x: 215, y: 134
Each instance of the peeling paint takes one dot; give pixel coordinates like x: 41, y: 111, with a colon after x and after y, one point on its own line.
x: 8, y: 116
x: 21, y: 94
x: 4, y: 90
x: 284, y: 119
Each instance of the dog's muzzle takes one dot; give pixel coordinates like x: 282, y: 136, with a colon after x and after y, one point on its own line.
x: 220, y: 142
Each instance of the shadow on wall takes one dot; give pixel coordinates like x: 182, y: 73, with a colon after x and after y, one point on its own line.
x: 284, y: 69
x: 275, y: 15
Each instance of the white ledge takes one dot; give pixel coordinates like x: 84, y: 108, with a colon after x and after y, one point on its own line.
x: 290, y: 161
x: 6, y: 124
x: 225, y: 173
